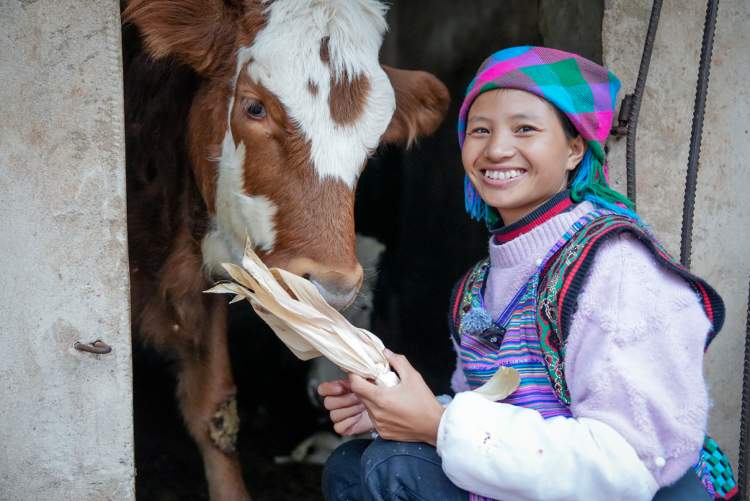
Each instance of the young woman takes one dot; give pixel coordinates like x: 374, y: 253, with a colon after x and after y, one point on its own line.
x: 605, y: 329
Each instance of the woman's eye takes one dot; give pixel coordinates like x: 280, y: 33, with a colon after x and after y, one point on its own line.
x: 480, y: 130
x: 525, y: 128
x: 255, y: 109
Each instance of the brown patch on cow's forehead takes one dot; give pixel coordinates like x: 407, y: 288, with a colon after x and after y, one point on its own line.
x: 324, y: 54
x: 348, y: 98
x: 312, y: 87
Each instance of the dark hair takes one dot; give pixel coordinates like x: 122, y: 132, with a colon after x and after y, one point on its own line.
x: 570, y: 131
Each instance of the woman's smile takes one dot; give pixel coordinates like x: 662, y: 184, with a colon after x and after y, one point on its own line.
x: 502, y: 177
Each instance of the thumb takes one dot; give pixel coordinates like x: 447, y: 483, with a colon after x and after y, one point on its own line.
x: 399, y: 362
x: 361, y: 387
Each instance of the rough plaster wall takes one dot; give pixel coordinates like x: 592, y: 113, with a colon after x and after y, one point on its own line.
x: 560, y: 25
x: 721, y: 234
x: 66, y: 416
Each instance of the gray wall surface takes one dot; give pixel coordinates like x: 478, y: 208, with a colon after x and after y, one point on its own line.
x: 721, y: 233
x: 66, y: 416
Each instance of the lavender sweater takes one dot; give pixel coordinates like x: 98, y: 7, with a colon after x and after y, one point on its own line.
x: 634, y: 357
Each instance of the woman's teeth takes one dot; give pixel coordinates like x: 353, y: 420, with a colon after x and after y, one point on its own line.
x: 501, y: 175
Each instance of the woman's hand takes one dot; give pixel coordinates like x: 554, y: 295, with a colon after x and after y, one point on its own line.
x: 408, y: 412
x: 346, y: 410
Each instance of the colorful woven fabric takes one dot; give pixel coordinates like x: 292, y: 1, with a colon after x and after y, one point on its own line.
x: 534, y: 342
x: 715, y: 472
x: 521, y: 347
x: 562, y: 281
x: 564, y: 277
x: 581, y: 89
x: 482, y: 353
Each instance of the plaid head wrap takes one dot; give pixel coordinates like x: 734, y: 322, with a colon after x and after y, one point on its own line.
x: 582, y: 90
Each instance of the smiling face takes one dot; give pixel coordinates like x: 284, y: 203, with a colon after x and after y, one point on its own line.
x: 516, y: 153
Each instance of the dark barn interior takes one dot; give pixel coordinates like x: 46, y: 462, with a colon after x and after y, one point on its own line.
x: 411, y: 201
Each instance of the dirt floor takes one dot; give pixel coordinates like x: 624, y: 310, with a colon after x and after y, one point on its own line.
x: 275, y: 413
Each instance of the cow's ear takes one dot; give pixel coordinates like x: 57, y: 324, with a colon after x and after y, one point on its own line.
x: 421, y: 104
x: 200, y: 33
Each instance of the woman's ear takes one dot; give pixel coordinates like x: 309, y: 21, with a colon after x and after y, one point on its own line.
x: 576, y: 149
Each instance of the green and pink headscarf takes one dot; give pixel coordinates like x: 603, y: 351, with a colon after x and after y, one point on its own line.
x: 582, y: 90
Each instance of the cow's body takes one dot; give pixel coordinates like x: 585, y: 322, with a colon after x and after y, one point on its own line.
x: 288, y: 101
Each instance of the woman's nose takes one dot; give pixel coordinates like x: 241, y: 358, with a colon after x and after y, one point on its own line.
x: 500, y: 147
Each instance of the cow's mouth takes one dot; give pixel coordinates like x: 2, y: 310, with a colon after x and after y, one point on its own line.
x: 337, y: 299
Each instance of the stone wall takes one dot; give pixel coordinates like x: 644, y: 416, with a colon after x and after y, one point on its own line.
x: 66, y: 416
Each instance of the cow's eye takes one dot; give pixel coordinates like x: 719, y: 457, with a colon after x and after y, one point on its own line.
x: 255, y: 109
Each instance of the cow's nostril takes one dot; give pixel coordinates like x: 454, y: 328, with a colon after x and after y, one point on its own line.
x: 337, y: 285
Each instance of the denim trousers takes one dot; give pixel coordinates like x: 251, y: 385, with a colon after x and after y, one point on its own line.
x: 382, y: 470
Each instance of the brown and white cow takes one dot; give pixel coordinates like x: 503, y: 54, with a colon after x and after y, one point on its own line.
x: 290, y: 103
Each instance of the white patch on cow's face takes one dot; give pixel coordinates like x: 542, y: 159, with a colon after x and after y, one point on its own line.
x: 286, y: 56
x: 237, y: 215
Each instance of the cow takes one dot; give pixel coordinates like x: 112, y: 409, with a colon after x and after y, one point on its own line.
x: 288, y: 101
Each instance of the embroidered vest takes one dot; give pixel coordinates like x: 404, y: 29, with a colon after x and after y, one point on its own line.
x: 545, y: 309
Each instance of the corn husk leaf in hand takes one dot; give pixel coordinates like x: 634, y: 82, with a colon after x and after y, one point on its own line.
x: 293, y: 307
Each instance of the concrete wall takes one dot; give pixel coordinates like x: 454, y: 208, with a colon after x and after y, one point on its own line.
x: 721, y: 235
x: 560, y: 25
x: 66, y: 416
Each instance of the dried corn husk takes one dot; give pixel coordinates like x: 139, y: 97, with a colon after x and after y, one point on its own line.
x: 310, y: 327
x: 303, y: 320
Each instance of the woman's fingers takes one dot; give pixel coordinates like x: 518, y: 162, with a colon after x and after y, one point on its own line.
x: 347, y: 400
x: 348, y: 426
x: 335, y: 387
x: 346, y: 412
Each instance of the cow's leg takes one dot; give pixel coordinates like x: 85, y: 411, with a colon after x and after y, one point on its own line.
x: 206, y: 393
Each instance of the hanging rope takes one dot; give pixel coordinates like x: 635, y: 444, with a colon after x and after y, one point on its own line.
x: 632, y: 104
x: 744, y: 411
x: 630, y: 108
x: 694, y: 153
x: 688, y: 212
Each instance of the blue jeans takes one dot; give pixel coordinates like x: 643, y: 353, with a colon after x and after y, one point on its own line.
x: 381, y: 470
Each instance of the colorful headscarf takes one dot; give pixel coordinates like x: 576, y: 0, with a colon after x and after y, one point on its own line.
x: 582, y: 90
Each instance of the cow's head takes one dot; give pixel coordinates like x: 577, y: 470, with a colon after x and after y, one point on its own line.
x: 293, y: 102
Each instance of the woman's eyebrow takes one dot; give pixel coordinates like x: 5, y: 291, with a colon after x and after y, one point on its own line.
x: 515, y: 116
x: 525, y: 116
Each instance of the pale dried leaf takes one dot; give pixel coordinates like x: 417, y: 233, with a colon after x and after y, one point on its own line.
x: 504, y: 382
x: 237, y: 298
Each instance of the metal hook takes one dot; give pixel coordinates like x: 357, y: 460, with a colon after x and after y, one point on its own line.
x: 98, y: 347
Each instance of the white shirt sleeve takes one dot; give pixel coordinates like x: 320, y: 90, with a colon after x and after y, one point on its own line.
x: 511, y: 453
